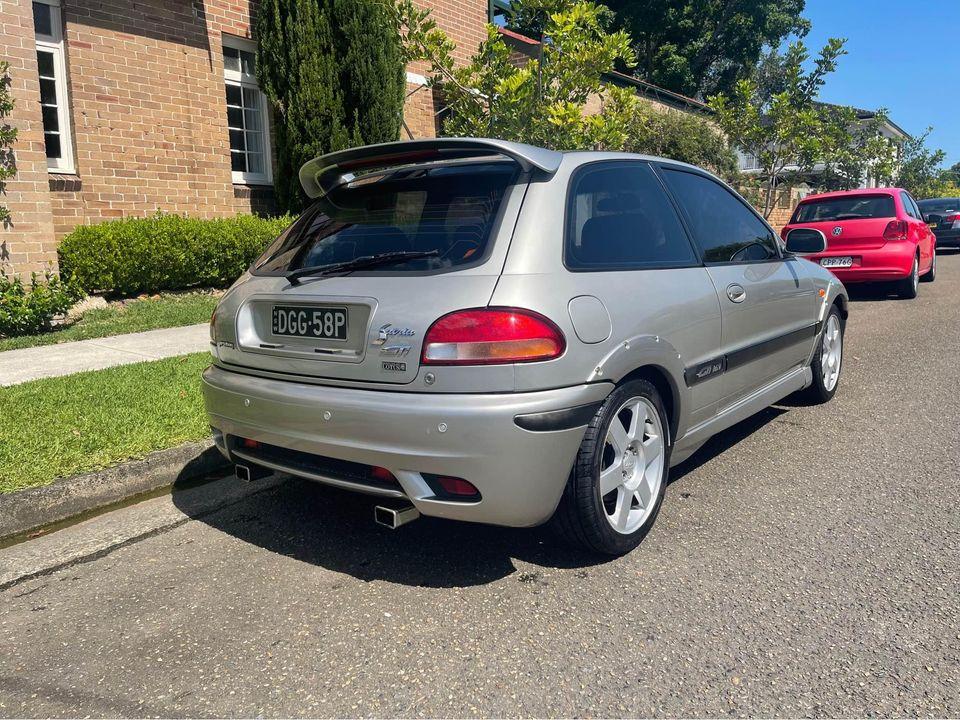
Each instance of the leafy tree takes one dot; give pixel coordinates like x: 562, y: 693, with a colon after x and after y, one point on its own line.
x: 920, y: 169
x: 854, y: 149
x: 673, y: 134
x: 703, y: 47
x: 780, y: 122
x: 334, y: 74
x: 8, y: 134
x: 543, y: 101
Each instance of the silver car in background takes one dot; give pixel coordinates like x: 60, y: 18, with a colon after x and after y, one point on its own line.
x: 493, y: 332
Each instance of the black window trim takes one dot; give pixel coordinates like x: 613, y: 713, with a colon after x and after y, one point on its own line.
x: 625, y: 267
x: 781, y: 255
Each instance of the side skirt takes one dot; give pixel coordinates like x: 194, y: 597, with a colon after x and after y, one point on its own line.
x: 794, y: 380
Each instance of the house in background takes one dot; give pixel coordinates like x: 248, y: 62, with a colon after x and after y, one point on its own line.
x: 894, y: 133
x: 124, y: 108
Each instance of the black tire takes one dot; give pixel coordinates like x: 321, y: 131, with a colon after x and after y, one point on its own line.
x: 818, y: 392
x: 907, y: 288
x: 580, y: 519
x: 931, y: 274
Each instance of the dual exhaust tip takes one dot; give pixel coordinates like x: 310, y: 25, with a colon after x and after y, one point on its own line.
x: 389, y: 517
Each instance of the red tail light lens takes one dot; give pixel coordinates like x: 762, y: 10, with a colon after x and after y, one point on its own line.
x: 896, y: 230
x: 955, y: 219
x: 492, y: 336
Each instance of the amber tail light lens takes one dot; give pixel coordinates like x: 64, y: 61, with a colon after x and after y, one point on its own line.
x: 492, y: 336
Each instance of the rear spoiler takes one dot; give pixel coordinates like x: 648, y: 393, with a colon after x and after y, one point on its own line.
x: 320, y: 175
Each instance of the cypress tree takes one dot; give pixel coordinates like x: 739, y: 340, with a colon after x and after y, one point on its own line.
x: 333, y: 73
x: 372, y: 73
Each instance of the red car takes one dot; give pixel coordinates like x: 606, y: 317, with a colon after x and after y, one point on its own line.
x: 872, y: 235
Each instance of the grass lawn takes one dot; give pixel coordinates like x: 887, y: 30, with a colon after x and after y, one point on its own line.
x: 169, y: 310
x: 63, y: 426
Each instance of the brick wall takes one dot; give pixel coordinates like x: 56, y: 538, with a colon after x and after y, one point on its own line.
x: 27, y: 243
x: 148, y: 114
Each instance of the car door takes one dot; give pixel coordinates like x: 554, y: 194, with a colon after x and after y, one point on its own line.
x: 768, y: 305
x: 919, y: 229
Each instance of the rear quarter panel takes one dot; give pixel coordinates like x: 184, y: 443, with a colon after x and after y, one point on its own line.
x: 668, y: 318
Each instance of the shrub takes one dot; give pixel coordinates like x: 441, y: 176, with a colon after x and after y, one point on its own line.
x: 164, y: 252
x: 27, y: 311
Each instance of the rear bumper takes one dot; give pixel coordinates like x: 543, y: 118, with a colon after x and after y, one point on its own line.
x: 893, y: 261
x: 520, y: 473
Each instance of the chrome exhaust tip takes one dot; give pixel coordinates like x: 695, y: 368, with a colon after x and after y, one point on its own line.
x: 249, y: 473
x: 394, y: 517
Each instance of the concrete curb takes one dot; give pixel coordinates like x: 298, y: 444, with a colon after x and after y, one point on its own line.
x: 31, y: 509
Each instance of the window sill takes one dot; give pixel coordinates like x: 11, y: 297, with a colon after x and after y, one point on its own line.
x: 60, y: 181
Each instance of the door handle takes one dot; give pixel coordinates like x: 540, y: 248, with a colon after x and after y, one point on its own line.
x: 736, y: 293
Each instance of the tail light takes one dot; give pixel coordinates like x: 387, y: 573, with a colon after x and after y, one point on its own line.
x: 213, y: 326
x: 896, y: 230
x: 955, y: 219
x: 492, y: 336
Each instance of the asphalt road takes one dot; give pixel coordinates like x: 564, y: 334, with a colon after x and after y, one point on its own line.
x: 807, y: 562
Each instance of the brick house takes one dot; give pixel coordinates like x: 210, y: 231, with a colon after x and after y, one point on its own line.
x: 125, y: 107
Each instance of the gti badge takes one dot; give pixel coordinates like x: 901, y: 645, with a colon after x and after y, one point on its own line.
x: 387, y: 331
x: 837, y: 230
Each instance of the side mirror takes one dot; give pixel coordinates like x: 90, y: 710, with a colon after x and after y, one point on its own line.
x: 804, y: 241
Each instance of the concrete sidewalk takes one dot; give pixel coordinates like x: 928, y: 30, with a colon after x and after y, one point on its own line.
x: 18, y: 366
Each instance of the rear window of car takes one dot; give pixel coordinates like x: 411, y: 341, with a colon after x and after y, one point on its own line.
x: 855, y: 207
x: 448, y: 209
x: 939, y: 205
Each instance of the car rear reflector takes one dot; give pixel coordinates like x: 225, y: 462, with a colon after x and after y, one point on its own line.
x: 382, y: 474
x: 457, y: 486
x: 896, y: 230
x: 492, y: 336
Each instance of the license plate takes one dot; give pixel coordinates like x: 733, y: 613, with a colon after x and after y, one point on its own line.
x: 933, y: 224
x: 325, y: 323
x: 836, y: 261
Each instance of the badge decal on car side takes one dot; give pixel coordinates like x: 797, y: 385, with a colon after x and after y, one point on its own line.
x: 837, y: 230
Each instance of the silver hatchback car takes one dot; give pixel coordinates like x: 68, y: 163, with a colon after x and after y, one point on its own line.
x: 493, y: 332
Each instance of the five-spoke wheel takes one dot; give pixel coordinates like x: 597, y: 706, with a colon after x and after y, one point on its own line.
x: 615, y: 490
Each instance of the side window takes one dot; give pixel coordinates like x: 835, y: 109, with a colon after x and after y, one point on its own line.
x: 618, y: 216
x: 724, y: 228
x: 907, y: 206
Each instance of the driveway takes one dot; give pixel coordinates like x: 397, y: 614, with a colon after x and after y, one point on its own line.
x: 806, y: 562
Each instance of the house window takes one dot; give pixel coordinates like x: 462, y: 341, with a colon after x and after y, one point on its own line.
x: 246, y: 114
x: 54, y: 108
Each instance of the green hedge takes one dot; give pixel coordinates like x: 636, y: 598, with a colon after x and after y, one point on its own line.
x: 27, y: 309
x: 164, y: 252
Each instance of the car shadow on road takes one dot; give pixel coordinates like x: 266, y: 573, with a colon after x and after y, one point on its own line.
x: 335, y: 530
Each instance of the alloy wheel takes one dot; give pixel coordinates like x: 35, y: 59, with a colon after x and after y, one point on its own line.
x: 631, y: 466
x: 831, y: 353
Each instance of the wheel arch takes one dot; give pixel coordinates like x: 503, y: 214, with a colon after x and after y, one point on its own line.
x: 661, y: 379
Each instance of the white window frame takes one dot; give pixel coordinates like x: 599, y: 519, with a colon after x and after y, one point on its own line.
x: 54, y: 44
x: 244, y: 80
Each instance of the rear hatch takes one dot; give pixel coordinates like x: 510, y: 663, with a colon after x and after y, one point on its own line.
x: 849, y: 223
x: 368, y: 324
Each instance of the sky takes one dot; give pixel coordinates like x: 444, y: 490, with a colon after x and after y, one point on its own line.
x: 904, y: 56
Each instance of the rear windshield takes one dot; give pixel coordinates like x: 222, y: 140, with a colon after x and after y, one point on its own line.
x: 855, y: 207
x: 447, y: 209
x: 939, y: 205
